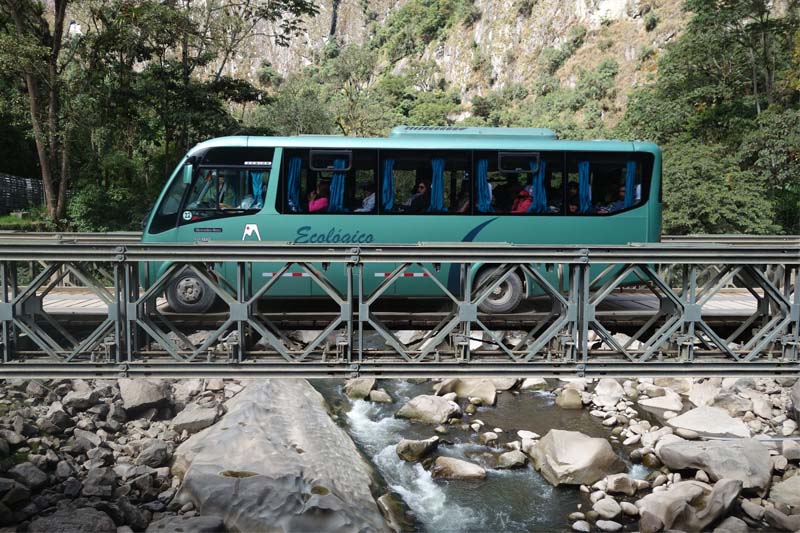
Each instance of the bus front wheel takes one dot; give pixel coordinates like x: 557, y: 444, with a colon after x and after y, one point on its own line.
x: 189, y: 294
x: 505, y: 297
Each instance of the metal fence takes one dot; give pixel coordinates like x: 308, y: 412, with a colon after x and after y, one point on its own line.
x: 567, y: 331
x: 19, y: 193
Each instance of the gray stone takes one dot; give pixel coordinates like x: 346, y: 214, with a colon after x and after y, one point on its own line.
x: 140, y: 394
x: 620, y: 484
x: 29, y: 475
x: 359, y: 388
x: 607, y: 508
x: 380, y: 396
x: 485, y: 389
x: 84, y: 520
x: 582, y: 525
x: 795, y: 397
x: 414, y: 450
x: 430, y: 409
x: 608, y: 392
x: 154, y: 454
x: 710, y: 422
x: 787, y: 492
x: 534, y: 384
x: 756, y: 512
x: 732, y: 525
x: 80, y: 400
x: 277, y: 461
x: 194, y: 418
x: 608, y: 525
x: 746, y: 460
x: 781, y: 521
x: 452, y: 468
x: 687, y: 505
x: 569, y: 399
x: 670, y: 401
x: 512, y: 459
x: 186, y: 524
x: 570, y: 457
x: 100, y: 482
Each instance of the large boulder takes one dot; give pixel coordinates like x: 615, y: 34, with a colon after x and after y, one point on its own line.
x: 483, y: 389
x: 452, y: 468
x: 84, y: 520
x: 534, y: 384
x: 414, y: 450
x: 687, y: 505
x: 669, y: 401
x: 746, y: 460
x: 710, y: 422
x: 608, y: 392
x: 787, y: 492
x: 194, y: 418
x: 295, y: 469
x: 572, y: 458
x: 138, y: 394
x: 430, y: 409
x: 703, y: 393
x: 569, y: 399
x: 359, y: 388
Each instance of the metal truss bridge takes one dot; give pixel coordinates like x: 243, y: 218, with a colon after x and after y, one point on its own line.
x: 699, y: 305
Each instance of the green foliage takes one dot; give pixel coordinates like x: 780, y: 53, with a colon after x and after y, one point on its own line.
x: 524, y: 8
x: 96, y: 208
x: 706, y: 192
x: 551, y: 59
x: 650, y: 21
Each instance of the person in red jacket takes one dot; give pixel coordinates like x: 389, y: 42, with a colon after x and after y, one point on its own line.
x: 522, y: 202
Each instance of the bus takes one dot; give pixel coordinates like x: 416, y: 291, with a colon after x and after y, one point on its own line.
x: 421, y: 183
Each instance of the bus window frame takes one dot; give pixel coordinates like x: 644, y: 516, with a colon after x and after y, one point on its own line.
x: 508, y: 153
x: 347, y: 153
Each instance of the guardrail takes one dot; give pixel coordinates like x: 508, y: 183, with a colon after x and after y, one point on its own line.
x: 566, y: 333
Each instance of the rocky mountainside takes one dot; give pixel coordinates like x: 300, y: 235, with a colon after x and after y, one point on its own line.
x: 491, y: 44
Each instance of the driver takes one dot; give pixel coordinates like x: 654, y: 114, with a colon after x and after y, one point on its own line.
x: 226, y: 196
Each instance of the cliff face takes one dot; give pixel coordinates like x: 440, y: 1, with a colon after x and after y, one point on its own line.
x: 502, y: 42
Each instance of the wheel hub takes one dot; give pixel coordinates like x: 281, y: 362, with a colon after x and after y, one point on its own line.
x: 190, y: 290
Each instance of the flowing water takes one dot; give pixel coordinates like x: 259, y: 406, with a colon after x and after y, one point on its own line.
x: 507, y: 500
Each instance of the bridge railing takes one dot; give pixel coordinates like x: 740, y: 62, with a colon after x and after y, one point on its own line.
x: 571, y: 325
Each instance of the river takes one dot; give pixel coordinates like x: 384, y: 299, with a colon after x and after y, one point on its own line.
x: 507, y: 500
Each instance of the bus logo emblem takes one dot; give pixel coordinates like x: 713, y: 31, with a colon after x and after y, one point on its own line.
x: 249, y: 230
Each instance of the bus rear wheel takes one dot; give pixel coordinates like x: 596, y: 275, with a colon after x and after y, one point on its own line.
x: 505, y: 297
x: 189, y: 294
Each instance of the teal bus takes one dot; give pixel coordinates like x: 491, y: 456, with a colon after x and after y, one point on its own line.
x: 420, y: 184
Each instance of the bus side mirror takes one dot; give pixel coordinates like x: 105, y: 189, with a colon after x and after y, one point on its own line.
x: 187, y: 174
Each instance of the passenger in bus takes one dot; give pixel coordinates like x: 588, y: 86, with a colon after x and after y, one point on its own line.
x: 522, y: 202
x: 619, y: 203
x: 462, y: 204
x: 368, y: 203
x: 226, y: 196
x: 506, y: 193
x: 421, y: 199
x: 318, y: 199
x: 572, y: 207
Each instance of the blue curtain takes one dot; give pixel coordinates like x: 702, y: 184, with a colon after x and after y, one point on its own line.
x: 293, y: 193
x: 336, y: 201
x: 387, y: 191
x: 258, y: 182
x: 539, y: 204
x: 584, y: 188
x: 437, y: 186
x: 484, y: 193
x: 630, y: 184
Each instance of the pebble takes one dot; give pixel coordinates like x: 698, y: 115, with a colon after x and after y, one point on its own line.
x: 582, y: 525
x: 608, y: 525
x: 629, y: 509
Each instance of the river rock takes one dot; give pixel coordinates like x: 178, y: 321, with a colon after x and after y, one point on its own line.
x: 430, y: 409
x: 155, y: 454
x: 703, y: 393
x: 296, y: 468
x: 732, y: 525
x: 572, y: 458
x: 29, y: 475
x: 100, y: 482
x: 781, y: 521
x: 608, y: 392
x: 359, y: 388
x: 139, y: 394
x: 608, y: 525
x: 682, y: 386
x: 746, y: 460
x: 80, y: 400
x: 569, y: 399
x: 484, y: 389
x: 379, y: 396
x: 534, y: 384
x: 189, y: 524
x: 795, y: 398
x: 732, y: 402
x: 452, y: 468
x: 687, y: 505
x: 194, y: 418
x: 607, y: 508
x: 710, y: 422
x: 83, y: 520
x: 582, y: 525
x: 504, y: 383
x: 512, y: 459
x: 670, y: 401
x: 787, y: 492
x: 620, y: 484
x: 414, y: 450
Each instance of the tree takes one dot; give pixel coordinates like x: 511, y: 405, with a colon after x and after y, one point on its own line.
x: 31, y: 47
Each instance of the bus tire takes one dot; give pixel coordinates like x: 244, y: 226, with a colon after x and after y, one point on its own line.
x: 189, y: 294
x: 505, y: 298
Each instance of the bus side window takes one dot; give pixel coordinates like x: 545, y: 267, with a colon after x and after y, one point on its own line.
x: 518, y: 183
x: 415, y: 182
x: 604, y: 183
